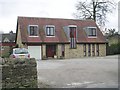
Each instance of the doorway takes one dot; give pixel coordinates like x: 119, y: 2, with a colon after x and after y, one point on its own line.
x: 50, y: 50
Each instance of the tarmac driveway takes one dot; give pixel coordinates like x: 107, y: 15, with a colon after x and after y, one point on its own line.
x: 96, y: 72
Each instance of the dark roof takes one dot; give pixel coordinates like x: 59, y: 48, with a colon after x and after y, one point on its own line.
x: 9, y: 36
x: 60, y: 36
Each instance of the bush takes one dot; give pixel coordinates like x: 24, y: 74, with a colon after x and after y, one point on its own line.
x: 19, y: 73
x: 113, y: 49
x: 6, y: 55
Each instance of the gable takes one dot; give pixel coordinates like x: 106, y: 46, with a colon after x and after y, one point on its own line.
x: 8, y: 37
x: 6, y: 40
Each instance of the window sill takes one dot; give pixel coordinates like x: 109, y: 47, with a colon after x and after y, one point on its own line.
x: 50, y: 36
x: 33, y: 36
x: 73, y: 48
x: 92, y: 36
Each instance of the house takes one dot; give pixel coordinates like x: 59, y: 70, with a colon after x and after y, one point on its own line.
x: 56, y: 38
x: 7, y: 43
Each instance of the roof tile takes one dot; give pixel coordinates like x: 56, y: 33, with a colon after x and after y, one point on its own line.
x: 60, y: 35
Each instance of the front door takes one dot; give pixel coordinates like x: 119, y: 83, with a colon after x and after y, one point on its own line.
x: 50, y: 50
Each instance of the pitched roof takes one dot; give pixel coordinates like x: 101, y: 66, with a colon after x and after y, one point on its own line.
x: 8, y: 37
x: 60, y: 35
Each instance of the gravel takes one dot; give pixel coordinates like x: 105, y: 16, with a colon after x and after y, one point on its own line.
x: 88, y: 72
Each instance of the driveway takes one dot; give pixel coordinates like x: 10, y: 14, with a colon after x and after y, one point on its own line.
x: 96, y: 72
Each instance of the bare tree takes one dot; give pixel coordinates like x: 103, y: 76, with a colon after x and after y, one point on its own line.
x: 95, y: 10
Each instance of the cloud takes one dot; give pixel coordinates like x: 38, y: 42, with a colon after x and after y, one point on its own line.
x: 10, y: 9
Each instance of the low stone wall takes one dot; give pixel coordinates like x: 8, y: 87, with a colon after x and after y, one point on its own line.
x: 19, y: 73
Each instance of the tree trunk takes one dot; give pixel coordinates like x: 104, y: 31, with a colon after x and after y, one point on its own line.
x: 94, y: 11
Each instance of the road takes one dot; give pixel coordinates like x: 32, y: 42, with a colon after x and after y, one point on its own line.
x: 92, y: 72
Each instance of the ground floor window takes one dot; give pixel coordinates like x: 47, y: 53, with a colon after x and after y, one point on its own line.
x: 97, y: 49
x: 1, y: 48
x: 89, y: 50
x: 93, y: 49
x: 73, y: 43
x: 84, y: 49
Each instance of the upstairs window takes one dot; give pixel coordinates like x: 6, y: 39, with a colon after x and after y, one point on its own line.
x: 72, y: 37
x: 33, y: 30
x: 50, y: 30
x: 91, y: 31
x: 72, y: 32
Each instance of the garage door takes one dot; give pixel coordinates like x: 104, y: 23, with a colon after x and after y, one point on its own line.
x: 35, y: 51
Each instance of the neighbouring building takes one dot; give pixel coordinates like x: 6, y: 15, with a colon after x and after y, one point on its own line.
x: 56, y: 38
x: 7, y: 42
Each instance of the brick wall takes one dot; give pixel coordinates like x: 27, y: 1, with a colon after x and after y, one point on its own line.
x: 75, y: 53
x: 78, y: 52
x: 59, y: 51
x: 18, y: 41
x: 102, y: 48
x: 43, y: 51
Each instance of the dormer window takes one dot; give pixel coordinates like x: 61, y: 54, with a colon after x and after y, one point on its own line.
x: 91, y: 31
x: 33, y: 30
x: 50, y: 30
x: 73, y: 33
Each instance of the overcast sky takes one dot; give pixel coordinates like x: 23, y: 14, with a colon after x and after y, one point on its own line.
x: 10, y: 9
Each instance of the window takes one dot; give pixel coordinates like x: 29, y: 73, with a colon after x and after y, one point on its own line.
x: 84, y: 49
x: 72, y: 37
x: 50, y: 31
x: 93, y: 49
x: 33, y: 30
x: 89, y: 50
x: 97, y: 49
x: 63, y: 49
x: 1, y: 48
x: 91, y: 31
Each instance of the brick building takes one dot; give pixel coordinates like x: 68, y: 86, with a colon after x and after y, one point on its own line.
x: 56, y: 38
x: 7, y: 42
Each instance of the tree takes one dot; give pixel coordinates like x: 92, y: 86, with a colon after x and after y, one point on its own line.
x: 110, y: 32
x: 95, y: 10
x: 11, y: 32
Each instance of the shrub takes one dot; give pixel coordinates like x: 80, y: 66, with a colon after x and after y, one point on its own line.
x: 6, y: 55
x: 113, y: 49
